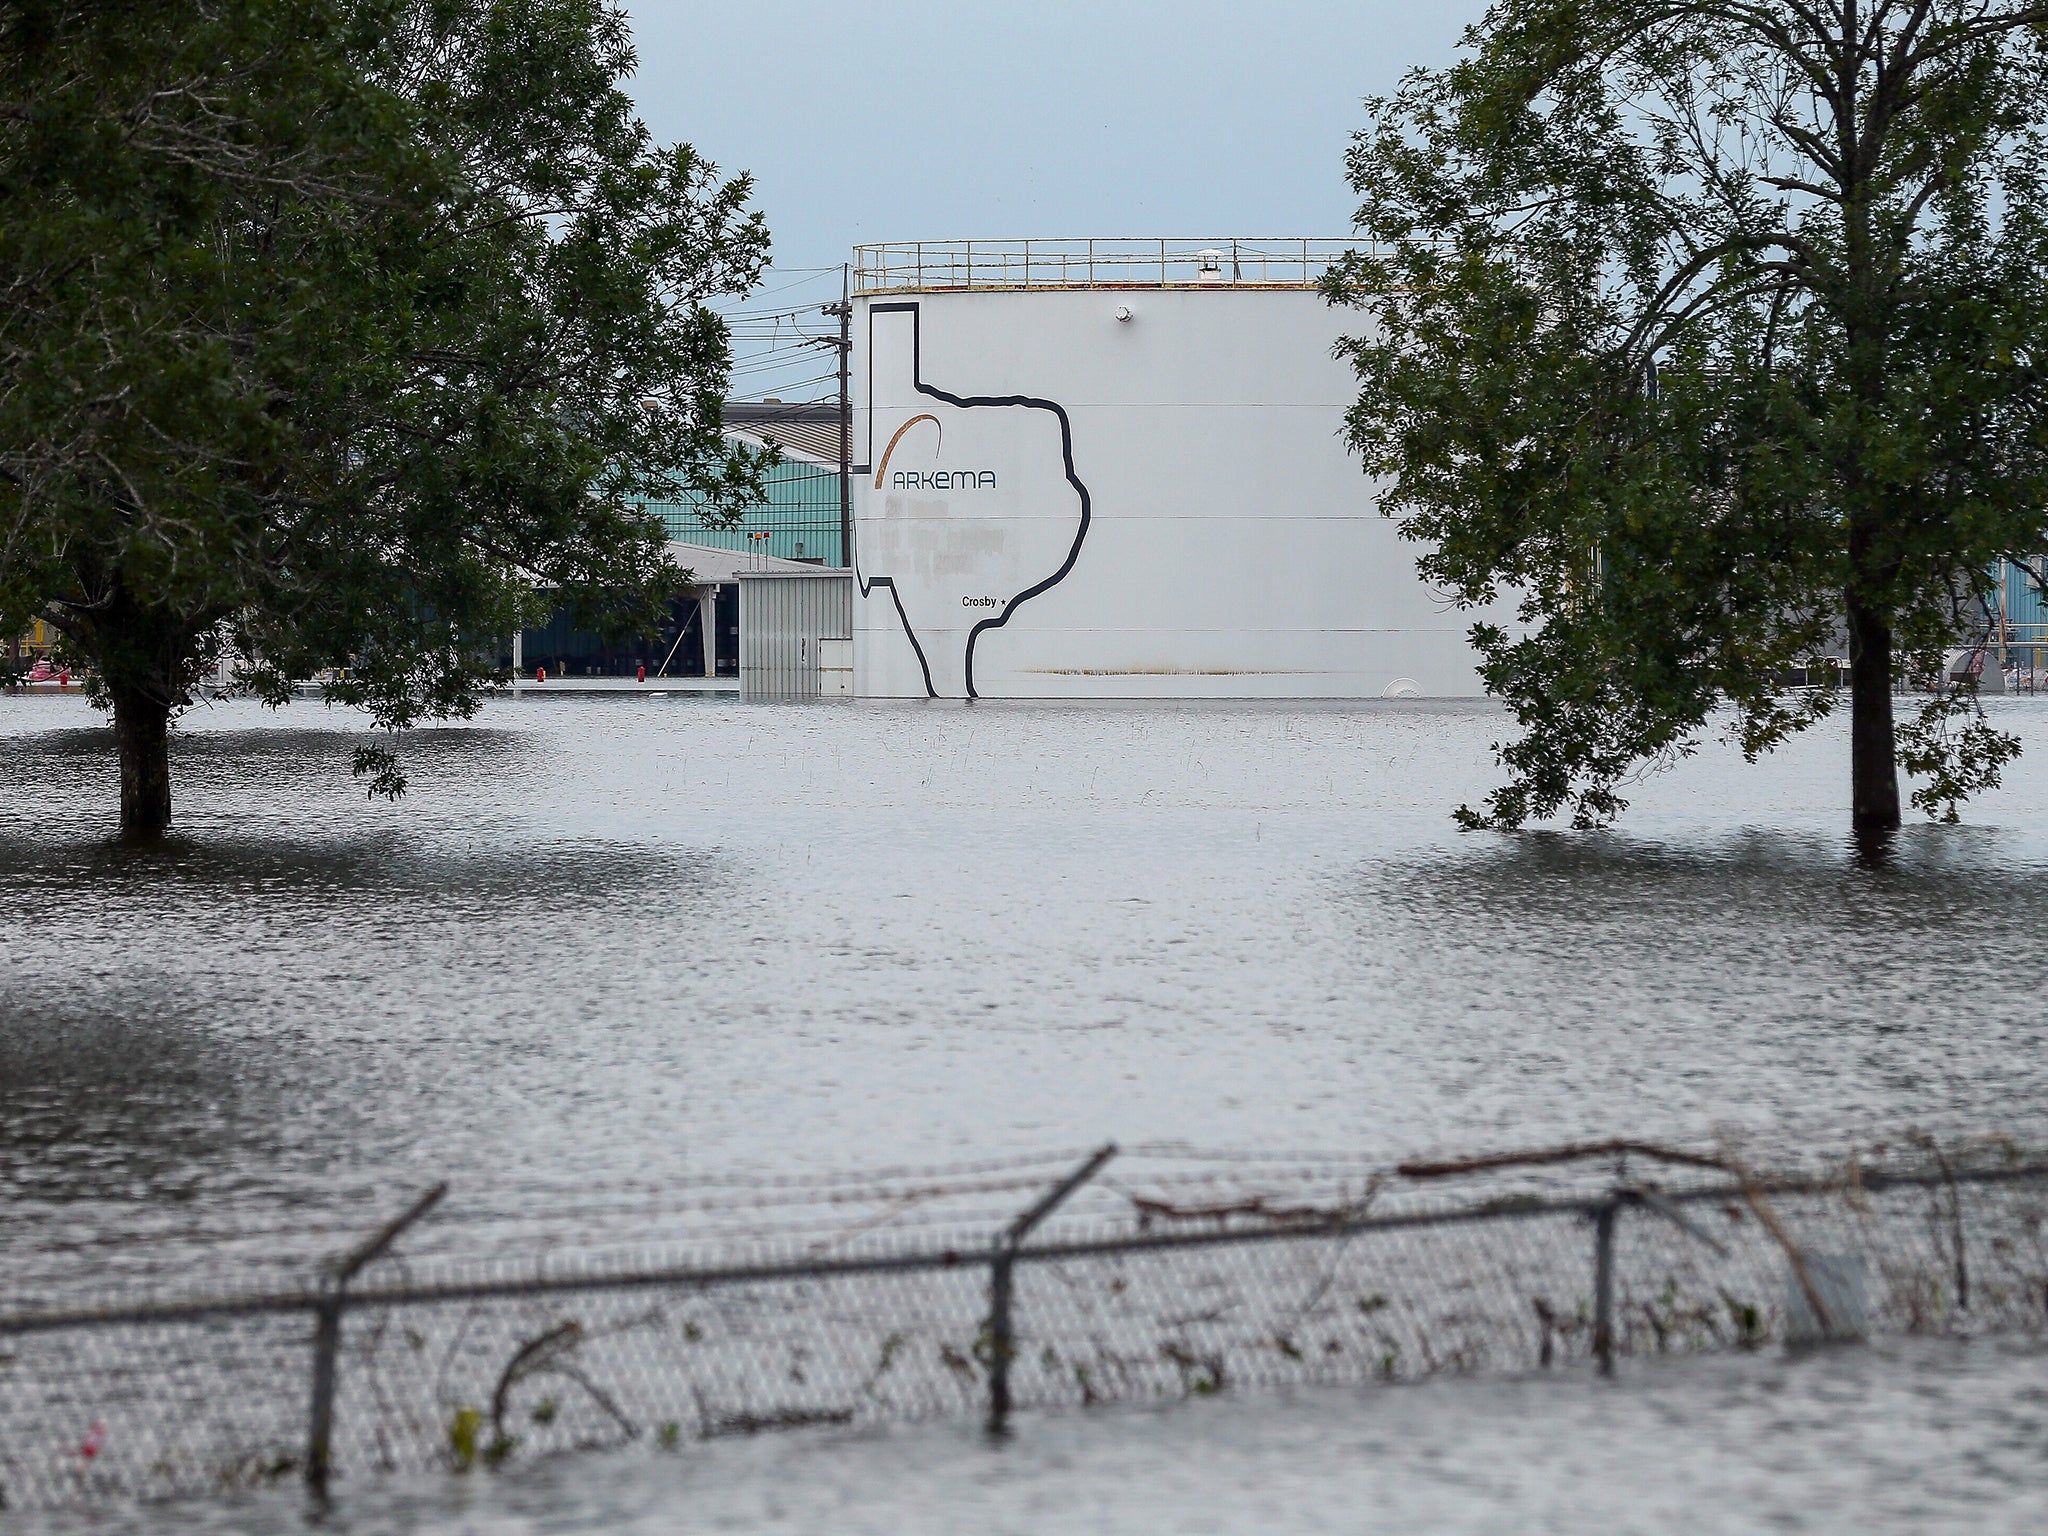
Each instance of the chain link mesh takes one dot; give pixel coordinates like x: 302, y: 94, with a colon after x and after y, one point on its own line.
x: 1140, y: 1292
x: 1389, y: 1304
x: 149, y: 1410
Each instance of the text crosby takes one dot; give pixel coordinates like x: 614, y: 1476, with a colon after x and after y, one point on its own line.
x: 942, y: 480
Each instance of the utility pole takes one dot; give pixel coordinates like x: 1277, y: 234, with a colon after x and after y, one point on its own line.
x: 844, y: 311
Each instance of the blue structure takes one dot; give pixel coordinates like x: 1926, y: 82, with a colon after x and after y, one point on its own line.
x: 2025, y: 611
x: 2015, y: 635
x: 799, y: 518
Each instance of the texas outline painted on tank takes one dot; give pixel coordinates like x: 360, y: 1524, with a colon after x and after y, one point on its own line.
x: 944, y: 467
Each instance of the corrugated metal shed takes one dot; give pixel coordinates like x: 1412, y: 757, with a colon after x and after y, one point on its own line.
x: 785, y: 616
x: 807, y: 430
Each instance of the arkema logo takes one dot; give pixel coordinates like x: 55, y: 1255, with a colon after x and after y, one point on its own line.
x: 943, y: 480
x: 929, y: 479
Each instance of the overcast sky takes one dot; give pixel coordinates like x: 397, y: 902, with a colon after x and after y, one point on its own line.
x: 944, y: 119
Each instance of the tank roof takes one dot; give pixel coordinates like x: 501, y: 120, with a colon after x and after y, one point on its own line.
x: 923, y: 266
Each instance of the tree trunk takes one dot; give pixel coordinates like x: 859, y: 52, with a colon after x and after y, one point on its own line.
x: 1873, y: 761
x: 142, y: 732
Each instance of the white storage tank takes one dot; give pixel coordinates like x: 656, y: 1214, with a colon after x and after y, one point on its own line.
x: 1114, y: 469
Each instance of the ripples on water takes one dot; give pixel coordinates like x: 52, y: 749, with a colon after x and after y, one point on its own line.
x: 622, y: 938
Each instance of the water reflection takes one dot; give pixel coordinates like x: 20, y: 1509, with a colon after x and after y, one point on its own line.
x: 277, y: 745
x: 85, y: 1089
x: 1763, y: 979
x: 1932, y: 873
x: 224, y: 1028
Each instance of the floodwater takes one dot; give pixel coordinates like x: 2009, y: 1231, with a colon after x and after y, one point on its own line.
x: 620, y: 939
x: 1911, y: 1438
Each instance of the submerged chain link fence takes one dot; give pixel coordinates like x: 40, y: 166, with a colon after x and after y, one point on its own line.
x: 1153, y: 1275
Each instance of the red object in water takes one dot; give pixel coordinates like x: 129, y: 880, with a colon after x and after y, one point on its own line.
x: 94, y: 1439
x: 643, y: 673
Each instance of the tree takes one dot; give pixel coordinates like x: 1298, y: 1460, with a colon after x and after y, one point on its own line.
x: 1709, y: 330
x: 333, y: 330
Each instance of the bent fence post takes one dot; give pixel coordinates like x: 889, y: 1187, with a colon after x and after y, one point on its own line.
x: 327, y: 1334
x: 1655, y: 1200
x: 1001, y: 1334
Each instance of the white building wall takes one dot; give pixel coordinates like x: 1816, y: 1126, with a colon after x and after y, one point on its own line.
x: 1212, y: 539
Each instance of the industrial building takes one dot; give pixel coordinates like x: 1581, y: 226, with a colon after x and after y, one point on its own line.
x: 796, y: 530
x: 799, y: 514
x: 699, y: 638
x: 1115, y: 469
